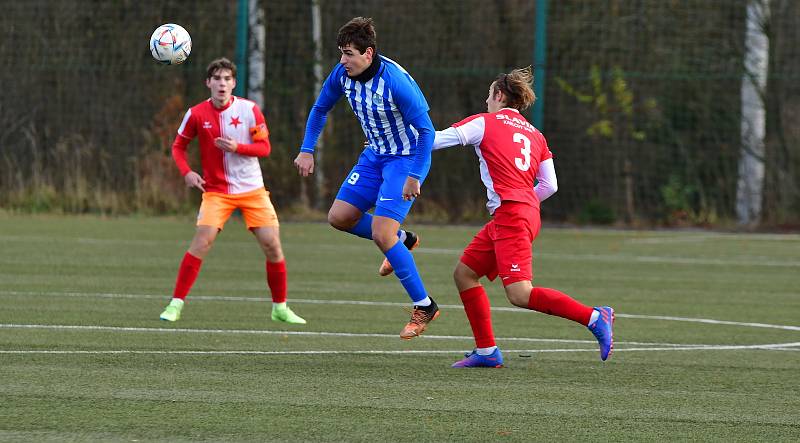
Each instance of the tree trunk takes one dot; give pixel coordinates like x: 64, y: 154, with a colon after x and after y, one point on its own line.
x: 256, y: 48
x: 751, y: 163
x: 319, y: 170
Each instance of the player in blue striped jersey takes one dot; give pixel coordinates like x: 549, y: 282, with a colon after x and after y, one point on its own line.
x: 393, y: 113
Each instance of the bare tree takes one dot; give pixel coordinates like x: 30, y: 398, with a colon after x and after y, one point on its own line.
x: 751, y: 164
x: 255, y: 46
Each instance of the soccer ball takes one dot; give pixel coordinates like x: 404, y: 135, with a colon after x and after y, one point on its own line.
x: 170, y: 44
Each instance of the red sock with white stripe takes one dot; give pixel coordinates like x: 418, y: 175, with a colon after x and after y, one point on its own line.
x: 276, y: 280
x: 187, y: 274
x: 476, y: 305
x: 553, y: 302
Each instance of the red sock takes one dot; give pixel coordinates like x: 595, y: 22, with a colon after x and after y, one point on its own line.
x: 553, y: 302
x: 476, y: 305
x: 187, y: 274
x: 276, y: 279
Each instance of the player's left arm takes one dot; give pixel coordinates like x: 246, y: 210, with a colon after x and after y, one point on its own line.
x: 546, y: 177
x: 414, y: 109
x: 425, y: 137
x: 422, y: 159
x: 259, y: 135
x: 547, y: 183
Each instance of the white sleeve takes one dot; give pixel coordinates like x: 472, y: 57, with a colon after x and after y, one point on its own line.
x: 446, y: 139
x: 183, y: 123
x: 471, y: 132
x: 548, y: 184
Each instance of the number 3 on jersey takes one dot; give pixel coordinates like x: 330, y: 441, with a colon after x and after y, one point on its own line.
x: 524, y: 163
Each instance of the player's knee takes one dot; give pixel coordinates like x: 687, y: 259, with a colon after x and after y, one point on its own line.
x: 273, y: 253
x: 271, y: 248
x: 464, y: 277
x: 200, y: 247
x: 341, y: 221
x: 459, y: 276
x: 384, y: 240
x: 519, y: 293
x: 517, y: 300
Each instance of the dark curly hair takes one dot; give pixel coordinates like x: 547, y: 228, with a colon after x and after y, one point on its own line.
x: 220, y: 63
x: 359, y: 32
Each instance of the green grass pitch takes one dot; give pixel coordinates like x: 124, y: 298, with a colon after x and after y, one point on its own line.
x: 707, y: 339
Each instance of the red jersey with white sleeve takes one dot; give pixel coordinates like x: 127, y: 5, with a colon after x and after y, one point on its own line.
x: 509, y: 150
x: 225, y: 172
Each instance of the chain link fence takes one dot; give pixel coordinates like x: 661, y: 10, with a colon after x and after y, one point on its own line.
x: 642, y: 105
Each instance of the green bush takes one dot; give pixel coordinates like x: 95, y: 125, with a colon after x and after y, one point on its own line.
x: 597, y: 212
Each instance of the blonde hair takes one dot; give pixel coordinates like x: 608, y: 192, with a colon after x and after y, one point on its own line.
x: 517, y: 86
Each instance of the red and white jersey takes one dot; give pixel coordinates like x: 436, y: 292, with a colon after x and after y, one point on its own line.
x: 509, y: 150
x: 225, y: 172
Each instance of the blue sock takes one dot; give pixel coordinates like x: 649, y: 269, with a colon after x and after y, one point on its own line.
x: 406, y: 270
x: 363, y: 228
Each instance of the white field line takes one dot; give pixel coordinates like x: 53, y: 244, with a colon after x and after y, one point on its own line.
x: 675, y: 239
x: 613, y: 258
x: 749, y: 261
x: 377, y: 303
x: 690, y: 238
x: 309, y: 334
x: 774, y: 346
x: 617, y: 258
x: 644, y: 346
x: 711, y: 321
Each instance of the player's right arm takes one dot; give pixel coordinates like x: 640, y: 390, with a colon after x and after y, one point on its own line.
x: 467, y: 132
x: 186, y: 132
x: 446, y: 139
x: 328, y: 96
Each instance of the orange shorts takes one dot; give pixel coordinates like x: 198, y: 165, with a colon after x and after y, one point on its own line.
x: 255, y: 205
x: 503, y: 246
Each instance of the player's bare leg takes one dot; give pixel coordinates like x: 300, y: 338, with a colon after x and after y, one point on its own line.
x: 343, y: 215
x: 384, y: 232
x: 270, y: 242
x: 348, y: 218
x: 202, y: 241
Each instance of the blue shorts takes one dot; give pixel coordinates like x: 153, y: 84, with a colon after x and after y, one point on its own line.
x: 377, y: 181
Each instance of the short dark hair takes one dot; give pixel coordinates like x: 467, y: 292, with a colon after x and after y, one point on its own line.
x: 517, y: 86
x: 220, y: 63
x: 359, y: 32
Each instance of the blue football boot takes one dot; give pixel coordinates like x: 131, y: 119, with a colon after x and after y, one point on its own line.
x: 603, y: 330
x: 473, y: 360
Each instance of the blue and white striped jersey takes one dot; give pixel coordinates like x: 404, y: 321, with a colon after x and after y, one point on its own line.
x: 386, y: 106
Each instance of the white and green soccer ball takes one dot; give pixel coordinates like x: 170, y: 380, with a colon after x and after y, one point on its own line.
x: 170, y: 44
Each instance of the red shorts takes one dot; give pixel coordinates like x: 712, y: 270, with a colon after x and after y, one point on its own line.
x: 503, y: 246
